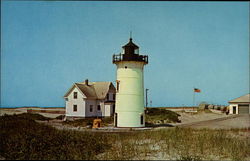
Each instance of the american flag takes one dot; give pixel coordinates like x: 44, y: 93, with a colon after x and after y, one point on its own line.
x: 197, y: 90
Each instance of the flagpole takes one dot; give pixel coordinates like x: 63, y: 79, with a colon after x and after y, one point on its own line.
x: 193, y: 98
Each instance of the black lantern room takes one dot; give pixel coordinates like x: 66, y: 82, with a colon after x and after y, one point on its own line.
x: 130, y: 53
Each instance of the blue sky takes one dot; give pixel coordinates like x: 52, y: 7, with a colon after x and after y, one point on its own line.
x: 47, y: 46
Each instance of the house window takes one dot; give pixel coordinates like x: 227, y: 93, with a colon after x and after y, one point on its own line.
x: 114, y: 96
x: 98, y: 107
x: 74, y: 108
x: 141, y: 119
x: 75, y: 95
x: 91, y: 108
x: 117, y: 85
x: 107, y: 96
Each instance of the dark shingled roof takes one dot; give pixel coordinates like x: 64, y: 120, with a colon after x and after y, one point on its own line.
x: 94, y: 90
x: 87, y: 90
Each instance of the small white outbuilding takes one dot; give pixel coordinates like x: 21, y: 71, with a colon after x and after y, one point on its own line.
x: 90, y: 99
x: 240, y: 105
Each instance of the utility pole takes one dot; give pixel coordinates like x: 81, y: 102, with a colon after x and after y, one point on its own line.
x: 147, y: 97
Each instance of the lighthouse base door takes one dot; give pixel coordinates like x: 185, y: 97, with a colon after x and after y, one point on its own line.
x: 130, y: 119
x: 115, y: 119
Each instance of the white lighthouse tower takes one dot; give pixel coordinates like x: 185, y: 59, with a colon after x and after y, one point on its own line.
x: 129, y: 106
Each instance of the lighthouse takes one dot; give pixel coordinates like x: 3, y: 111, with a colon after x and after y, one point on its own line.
x: 129, y: 106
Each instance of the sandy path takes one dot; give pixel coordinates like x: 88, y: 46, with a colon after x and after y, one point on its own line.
x: 233, y: 121
x: 197, y: 117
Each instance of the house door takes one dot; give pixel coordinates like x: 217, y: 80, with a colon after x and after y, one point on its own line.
x: 113, y: 109
x: 234, y: 109
x: 115, y: 119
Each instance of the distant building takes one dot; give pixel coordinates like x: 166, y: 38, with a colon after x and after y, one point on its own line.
x: 90, y: 99
x: 240, y: 105
x: 203, y: 105
x: 210, y: 106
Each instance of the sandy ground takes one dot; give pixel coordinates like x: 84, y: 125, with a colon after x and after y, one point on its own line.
x: 11, y: 111
x: 213, y: 120
x: 24, y: 110
x: 233, y: 121
x: 188, y: 117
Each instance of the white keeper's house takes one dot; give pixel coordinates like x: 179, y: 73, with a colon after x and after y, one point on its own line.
x: 90, y: 99
x: 240, y: 105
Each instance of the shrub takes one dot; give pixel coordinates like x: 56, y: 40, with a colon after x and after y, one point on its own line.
x: 80, y: 122
x: 30, y: 116
x: 157, y: 114
x: 108, y: 120
x: 225, y: 109
x: 60, y: 117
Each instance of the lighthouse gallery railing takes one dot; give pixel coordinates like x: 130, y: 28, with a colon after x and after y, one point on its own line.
x: 134, y: 57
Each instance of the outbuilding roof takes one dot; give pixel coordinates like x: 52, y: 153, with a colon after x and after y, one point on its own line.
x: 93, y: 90
x: 242, y: 99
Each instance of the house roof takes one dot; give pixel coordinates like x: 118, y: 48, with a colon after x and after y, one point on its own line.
x: 87, y: 90
x: 242, y: 99
x: 94, y: 90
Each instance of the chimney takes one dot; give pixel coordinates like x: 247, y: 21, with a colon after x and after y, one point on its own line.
x: 87, y: 82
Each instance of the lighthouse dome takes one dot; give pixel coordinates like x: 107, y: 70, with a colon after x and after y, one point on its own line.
x: 131, y: 44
